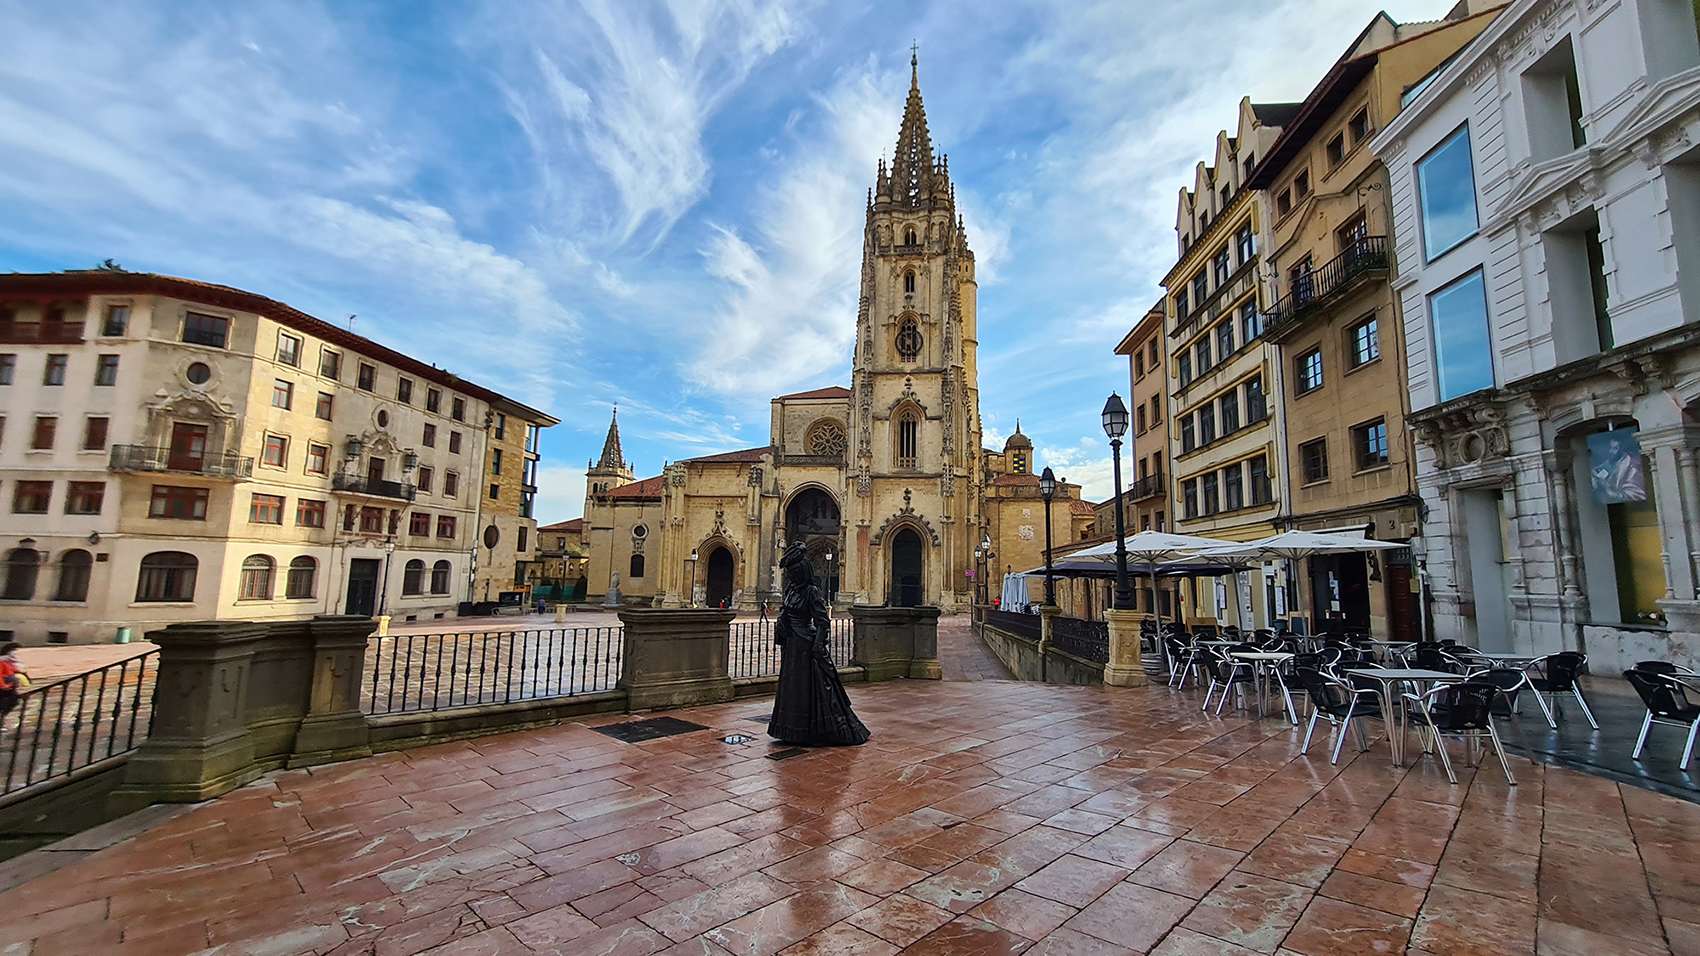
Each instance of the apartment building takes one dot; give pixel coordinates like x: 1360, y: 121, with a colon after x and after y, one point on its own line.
x: 1145, y: 499
x: 1224, y: 445
x: 181, y: 450
x: 1336, y: 322
x: 1546, y: 193
x: 507, y: 555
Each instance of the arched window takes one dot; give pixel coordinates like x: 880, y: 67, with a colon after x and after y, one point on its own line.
x: 413, y: 578
x: 908, y: 438
x: 257, y: 574
x: 440, y: 577
x: 73, y: 576
x: 23, y: 565
x: 636, y: 568
x: 166, y: 576
x: 909, y: 237
x: 909, y: 282
x: 303, y: 578
x: 908, y: 339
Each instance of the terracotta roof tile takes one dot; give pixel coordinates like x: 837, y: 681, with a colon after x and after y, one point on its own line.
x: 1082, y: 507
x: 743, y: 454
x: 831, y: 391
x: 574, y: 524
x: 647, y: 488
x: 1010, y: 480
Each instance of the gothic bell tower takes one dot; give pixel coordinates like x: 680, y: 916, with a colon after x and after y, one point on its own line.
x: 914, y: 492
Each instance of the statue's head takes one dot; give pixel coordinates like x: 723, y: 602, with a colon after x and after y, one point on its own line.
x: 796, y: 566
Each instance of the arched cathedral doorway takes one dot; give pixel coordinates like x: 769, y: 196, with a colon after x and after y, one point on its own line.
x: 812, y: 518
x: 718, y: 583
x: 906, y: 567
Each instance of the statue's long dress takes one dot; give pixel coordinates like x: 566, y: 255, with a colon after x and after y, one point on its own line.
x: 810, y: 706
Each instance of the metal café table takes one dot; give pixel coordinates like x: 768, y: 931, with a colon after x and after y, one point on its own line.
x: 1520, y: 662
x: 1395, y: 648
x: 1386, y: 678
x: 1263, y: 662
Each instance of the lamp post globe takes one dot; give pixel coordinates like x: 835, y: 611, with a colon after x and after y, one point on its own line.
x: 1115, y: 426
x: 1048, y: 490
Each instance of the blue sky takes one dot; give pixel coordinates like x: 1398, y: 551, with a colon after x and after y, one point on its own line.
x: 651, y: 204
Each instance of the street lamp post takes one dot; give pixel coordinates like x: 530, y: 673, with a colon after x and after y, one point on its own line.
x: 1048, y: 490
x: 691, y: 580
x: 1115, y: 426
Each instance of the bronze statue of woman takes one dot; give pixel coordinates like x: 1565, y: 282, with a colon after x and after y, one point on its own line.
x: 810, y: 707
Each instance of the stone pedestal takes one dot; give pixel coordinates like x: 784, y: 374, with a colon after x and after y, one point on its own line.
x: 1047, y: 619
x: 675, y: 657
x: 896, y: 642
x: 1125, y: 667
x: 334, y: 727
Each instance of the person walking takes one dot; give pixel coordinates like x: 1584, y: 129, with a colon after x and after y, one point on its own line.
x: 13, y: 679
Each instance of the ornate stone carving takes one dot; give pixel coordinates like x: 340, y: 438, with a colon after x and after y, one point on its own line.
x: 1470, y: 435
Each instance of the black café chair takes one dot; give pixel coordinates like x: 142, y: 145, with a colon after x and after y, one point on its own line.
x: 1183, y: 658
x: 1510, y: 682
x: 1561, y: 671
x: 1339, y: 703
x: 1664, y: 693
x: 1434, y: 657
x: 1462, y: 710
x: 1226, y: 673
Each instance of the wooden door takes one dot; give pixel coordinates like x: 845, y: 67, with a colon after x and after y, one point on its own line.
x: 188, y: 451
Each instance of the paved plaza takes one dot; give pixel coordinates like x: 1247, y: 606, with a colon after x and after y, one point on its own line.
x: 984, y: 817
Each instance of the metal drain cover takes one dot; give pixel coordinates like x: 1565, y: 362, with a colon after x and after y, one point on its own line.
x: 633, y: 731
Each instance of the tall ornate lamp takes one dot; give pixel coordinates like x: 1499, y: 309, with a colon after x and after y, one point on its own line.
x: 1115, y: 426
x: 1048, y: 490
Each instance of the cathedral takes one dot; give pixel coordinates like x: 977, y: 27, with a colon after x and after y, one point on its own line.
x: 885, y: 482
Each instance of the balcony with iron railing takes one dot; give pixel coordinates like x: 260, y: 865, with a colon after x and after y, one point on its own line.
x: 1310, y: 292
x: 1148, y: 487
x: 155, y: 458
x: 373, y: 487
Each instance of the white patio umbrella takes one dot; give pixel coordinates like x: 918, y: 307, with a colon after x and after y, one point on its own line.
x: 1298, y: 545
x: 1152, y: 548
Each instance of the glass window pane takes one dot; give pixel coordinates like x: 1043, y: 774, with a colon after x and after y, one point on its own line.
x: 1462, y: 349
x: 1446, y: 183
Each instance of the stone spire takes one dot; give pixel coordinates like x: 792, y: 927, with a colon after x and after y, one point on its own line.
x: 913, y: 166
x: 613, y: 459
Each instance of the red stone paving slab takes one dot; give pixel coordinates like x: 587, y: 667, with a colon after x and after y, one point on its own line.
x: 982, y: 818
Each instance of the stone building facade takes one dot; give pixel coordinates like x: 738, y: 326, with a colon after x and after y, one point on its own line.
x: 881, y: 479
x: 180, y: 450
x: 1015, y: 510
x: 507, y: 547
x: 1145, y: 500
x: 1547, y: 213
x: 1336, y: 323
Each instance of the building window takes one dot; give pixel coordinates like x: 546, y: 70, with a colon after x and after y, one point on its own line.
x: 1200, y: 289
x: 501, y: 426
x: 1230, y: 411
x: 1139, y: 420
x: 404, y: 390
x: 1369, y: 443
x: 1181, y: 300
x: 117, y: 320
x: 323, y: 408
x: 445, y: 526
x: 1301, y: 185
x: 1363, y: 342
x: 1212, y: 499
x: 166, y: 576
x: 1284, y: 202
x: 419, y: 524
x: 330, y: 363
x: 1256, y: 405
x: 520, y: 546
x: 908, y: 340
x: 634, y: 568
x: 367, y: 378
x: 94, y: 432
x: 85, y: 497
x: 303, y: 578
x: 1219, y: 266
x: 1183, y: 369
x: 495, y: 461
x: 1189, y: 435
x: 31, y: 497
x: 53, y: 373
x: 495, y: 492
x: 1189, y: 497
x: 1313, y: 460
x: 1233, y: 495
x: 256, y: 579
x: 908, y: 438
x: 1552, y: 100
x: 1462, y: 345
x: 1139, y: 363
x: 1446, y: 187
x: 457, y: 409
x: 429, y: 439
x: 8, y: 368
x: 275, y: 451
x: 413, y: 578
x: 1245, y: 244
x: 283, y: 394
x: 909, y: 282
x: 289, y: 350
x: 74, y: 568
x: 423, y: 483
x: 1251, y: 321
x: 1156, y: 410
x: 451, y: 484
x: 46, y: 428
x: 106, y: 371
x: 1207, y: 424
x: 318, y: 458
x: 309, y: 513
x: 1358, y: 126
x: 1225, y: 339
x: 371, y: 520
x: 23, y: 565
x: 174, y: 501
x: 1336, y: 150
x: 202, y: 329
x: 1307, y: 372
x: 454, y: 443
x: 440, y: 577
x: 1257, y: 472
x: 265, y: 509
x: 1201, y: 355
x: 433, y: 399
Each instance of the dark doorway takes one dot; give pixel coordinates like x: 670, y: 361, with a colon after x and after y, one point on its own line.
x: 906, y: 590
x: 374, y: 473
x: 719, y: 583
x: 362, y: 587
x: 1339, y: 588
x: 1402, y: 603
x: 188, y: 447
x: 812, y: 518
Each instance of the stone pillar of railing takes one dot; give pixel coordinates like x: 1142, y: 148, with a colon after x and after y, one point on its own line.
x: 896, y: 642
x: 1125, y: 667
x: 199, y: 745
x: 334, y: 728
x: 675, y: 657
x: 1047, y: 621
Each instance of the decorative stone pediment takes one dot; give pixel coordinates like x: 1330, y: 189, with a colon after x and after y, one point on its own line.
x: 1466, y: 435
x: 906, y: 516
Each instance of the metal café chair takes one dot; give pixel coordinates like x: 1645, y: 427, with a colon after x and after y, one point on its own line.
x: 1339, y: 703
x: 1665, y: 694
x: 1227, y: 673
x: 1561, y: 670
x: 1463, y: 710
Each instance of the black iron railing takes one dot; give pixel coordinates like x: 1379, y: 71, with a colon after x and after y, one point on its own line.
x: 377, y: 487
x: 1086, y: 639
x: 67, y: 724
x: 752, y: 652
x: 156, y: 458
x: 411, y: 673
x: 1012, y: 622
x: 1147, y: 487
x: 1317, y: 287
